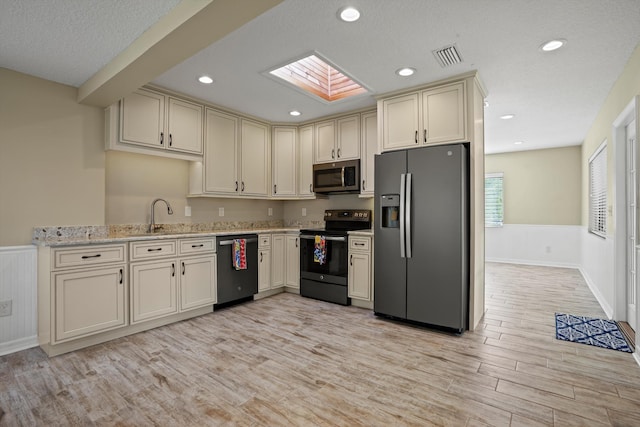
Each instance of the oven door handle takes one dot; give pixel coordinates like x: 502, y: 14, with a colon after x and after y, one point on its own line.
x: 334, y: 238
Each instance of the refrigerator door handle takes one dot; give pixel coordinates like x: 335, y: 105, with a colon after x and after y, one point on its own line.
x: 403, y: 182
x: 407, y: 210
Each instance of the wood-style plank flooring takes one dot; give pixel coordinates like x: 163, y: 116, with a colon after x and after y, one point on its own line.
x: 292, y: 361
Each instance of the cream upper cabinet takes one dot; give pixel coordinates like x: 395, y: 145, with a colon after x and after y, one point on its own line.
x: 284, y: 148
x: 221, y: 153
x: 292, y: 263
x: 427, y: 117
x: 348, y: 138
x: 324, y: 142
x: 443, y: 114
x: 369, y: 148
x: 152, y: 119
x: 305, y: 161
x: 185, y: 126
x: 337, y: 139
x: 255, y: 158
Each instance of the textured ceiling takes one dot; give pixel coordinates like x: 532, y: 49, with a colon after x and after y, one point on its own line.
x: 554, y: 96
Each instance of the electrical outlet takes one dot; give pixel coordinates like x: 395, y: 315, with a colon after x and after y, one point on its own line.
x: 220, y: 211
x: 270, y: 211
x: 187, y: 211
x: 5, y: 308
x: 304, y: 211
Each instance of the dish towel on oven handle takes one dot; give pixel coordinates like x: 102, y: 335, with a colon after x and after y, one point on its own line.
x: 239, y: 254
x: 320, y: 250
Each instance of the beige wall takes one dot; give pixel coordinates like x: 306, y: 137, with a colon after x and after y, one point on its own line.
x: 625, y: 88
x: 51, y: 158
x: 540, y: 186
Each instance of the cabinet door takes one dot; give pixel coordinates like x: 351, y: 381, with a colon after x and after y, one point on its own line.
x: 185, y: 126
x: 443, y: 115
x: 89, y: 301
x: 305, y: 161
x: 325, y: 142
x: 142, y: 119
x: 255, y: 159
x: 277, y: 261
x: 360, y: 275
x: 264, y: 269
x: 221, y: 153
x: 292, y: 262
x: 400, y: 124
x: 348, y: 134
x: 197, y: 282
x: 368, y: 152
x: 284, y: 161
x: 153, y: 290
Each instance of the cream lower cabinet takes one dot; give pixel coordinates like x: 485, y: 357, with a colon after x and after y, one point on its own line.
x: 278, y: 261
x: 166, y: 284
x: 360, y: 268
x: 89, y: 301
x: 264, y: 262
x: 292, y: 261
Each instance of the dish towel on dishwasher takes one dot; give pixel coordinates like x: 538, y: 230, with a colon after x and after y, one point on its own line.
x: 239, y: 254
x: 320, y: 250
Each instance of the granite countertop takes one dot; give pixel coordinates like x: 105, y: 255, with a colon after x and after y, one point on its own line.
x: 368, y: 233
x: 89, y: 235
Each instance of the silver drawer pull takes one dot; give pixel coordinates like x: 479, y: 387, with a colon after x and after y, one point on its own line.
x: 154, y: 249
x: 359, y: 244
x: 90, y: 256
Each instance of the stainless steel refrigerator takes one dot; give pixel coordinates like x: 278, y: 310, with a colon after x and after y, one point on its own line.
x: 421, y: 235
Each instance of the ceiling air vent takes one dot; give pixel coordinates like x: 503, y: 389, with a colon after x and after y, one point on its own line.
x: 447, y: 56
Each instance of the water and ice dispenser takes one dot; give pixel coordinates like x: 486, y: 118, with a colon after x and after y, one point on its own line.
x: 390, y: 215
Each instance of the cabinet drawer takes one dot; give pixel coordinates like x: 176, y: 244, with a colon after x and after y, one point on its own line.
x: 150, y: 250
x: 264, y: 241
x: 360, y: 243
x: 88, y: 255
x: 195, y: 246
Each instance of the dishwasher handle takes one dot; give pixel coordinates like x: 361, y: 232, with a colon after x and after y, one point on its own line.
x: 230, y: 242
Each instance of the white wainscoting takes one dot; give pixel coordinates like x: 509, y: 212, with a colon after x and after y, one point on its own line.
x: 550, y: 245
x: 18, y: 283
x: 597, y: 268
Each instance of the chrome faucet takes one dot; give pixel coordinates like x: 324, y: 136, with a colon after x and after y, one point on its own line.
x: 153, y: 226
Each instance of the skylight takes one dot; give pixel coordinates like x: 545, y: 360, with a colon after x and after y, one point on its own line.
x: 313, y: 75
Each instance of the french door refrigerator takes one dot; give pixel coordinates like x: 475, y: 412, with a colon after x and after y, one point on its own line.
x: 421, y: 235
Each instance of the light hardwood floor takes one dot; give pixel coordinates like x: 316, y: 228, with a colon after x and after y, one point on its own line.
x: 287, y: 360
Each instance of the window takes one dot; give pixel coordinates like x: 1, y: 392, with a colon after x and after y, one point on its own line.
x: 598, y: 191
x: 493, y: 200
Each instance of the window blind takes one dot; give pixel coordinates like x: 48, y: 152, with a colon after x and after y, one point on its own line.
x: 598, y: 191
x: 493, y: 200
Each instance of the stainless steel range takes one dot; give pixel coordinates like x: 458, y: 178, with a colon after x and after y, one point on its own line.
x: 324, y: 255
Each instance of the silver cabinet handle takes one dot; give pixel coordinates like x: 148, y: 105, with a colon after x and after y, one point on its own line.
x: 333, y: 154
x: 339, y: 153
x: 310, y: 188
x: 358, y: 244
x: 363, y: 186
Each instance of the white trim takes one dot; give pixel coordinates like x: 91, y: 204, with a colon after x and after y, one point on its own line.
x: 601, y: 147
x: 494, y: 175
x: 18, y: 345
x: 596, y: 293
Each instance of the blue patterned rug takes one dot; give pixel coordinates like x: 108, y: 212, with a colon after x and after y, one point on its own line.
x: 589, y: 330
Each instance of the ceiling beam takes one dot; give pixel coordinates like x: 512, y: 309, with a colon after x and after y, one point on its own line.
x: 188, y: 28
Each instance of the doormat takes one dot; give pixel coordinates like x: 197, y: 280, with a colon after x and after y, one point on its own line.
x: 590, y: 330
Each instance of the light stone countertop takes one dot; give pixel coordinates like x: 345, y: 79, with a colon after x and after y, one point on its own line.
x: 72, y: 236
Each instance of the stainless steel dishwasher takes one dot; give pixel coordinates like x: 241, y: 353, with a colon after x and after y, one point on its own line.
x: 237, y: 285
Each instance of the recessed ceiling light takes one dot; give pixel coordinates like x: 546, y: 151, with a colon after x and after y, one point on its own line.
x: 507, y: 116
x: 405, y: 72
x: 349, y: 14
x: 552, y: 45
x: 205, y: 80
x: 295, y: 113
x: 518, y: 143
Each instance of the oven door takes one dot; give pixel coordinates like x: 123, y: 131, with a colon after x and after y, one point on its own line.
x: 334, y: 269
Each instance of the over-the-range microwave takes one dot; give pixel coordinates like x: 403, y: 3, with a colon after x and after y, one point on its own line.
x: 337, y: 177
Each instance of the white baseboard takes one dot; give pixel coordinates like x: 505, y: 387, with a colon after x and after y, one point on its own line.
x: 596, y: 293
x: 18, y: 345
x: 533, y: 262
